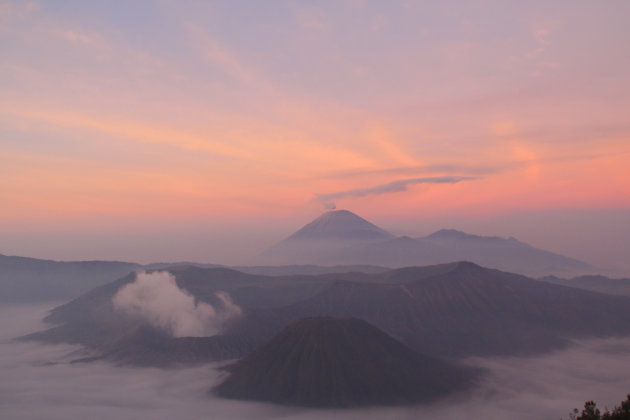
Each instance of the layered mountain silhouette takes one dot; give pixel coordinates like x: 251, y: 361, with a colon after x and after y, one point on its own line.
x: 461, y: 309
x: 341, y: 237
x: 25, y: 279
x: 600, y: 284
x: 455, y: 310
x: 337, y: 241
x: 340, y: 362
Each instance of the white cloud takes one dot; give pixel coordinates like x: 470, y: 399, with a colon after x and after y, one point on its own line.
x: 156, y: 298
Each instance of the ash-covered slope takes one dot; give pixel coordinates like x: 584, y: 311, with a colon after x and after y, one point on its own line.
x: 340, y: 362
x: 460, y: 310
x: 93, y: 321
x: 454, y: 310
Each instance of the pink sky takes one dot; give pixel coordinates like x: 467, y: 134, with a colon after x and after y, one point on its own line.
x: 191, y: 122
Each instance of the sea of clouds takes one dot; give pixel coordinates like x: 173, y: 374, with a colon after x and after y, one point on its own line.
x: 38, y: 381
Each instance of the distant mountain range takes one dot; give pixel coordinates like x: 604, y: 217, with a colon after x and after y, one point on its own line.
x: 337, y: 241
x: 25, y: 279
x: 29, y: 279
x: 342, y: 237
x: 456, y: 310
x: 600, y: 284
x: 340, y: 362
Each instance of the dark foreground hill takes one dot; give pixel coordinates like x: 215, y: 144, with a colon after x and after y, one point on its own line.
x: 340, y: 362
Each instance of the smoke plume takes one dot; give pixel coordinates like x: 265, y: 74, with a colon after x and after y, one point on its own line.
x: 156, y: 298
x: 391, y: 187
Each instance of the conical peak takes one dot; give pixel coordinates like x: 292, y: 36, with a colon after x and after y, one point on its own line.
x: 340, y: 224
x: 341, y: 216
x: 338, y: 213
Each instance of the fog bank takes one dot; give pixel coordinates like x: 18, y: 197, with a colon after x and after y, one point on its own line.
x: 39, y: 382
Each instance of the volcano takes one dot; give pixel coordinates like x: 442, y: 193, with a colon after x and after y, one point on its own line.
x: 326, y: 237
x: 343, y: 238
x: 340, y: 225
x: 340, y: 362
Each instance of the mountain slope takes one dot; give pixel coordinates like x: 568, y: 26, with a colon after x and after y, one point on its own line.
x: 599, y: 284
x: 25, y: 279
x: 343, y: 238
x: 340, y: 225
x: 460, y: 310
x: 448, y: 245
x: 93, y: 321
x: 454, y: 310
x: 320, y: 240
x: 505, y: 254
x: 336, y: 362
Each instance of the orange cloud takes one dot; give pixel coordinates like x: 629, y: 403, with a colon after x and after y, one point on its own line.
x: 139, y: 132
x: 388, y: 147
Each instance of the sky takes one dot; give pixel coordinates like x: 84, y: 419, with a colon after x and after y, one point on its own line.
x: 208, y: 130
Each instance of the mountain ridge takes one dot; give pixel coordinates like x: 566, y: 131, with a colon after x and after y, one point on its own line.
x: 454, y: 310
x: 340, y: 246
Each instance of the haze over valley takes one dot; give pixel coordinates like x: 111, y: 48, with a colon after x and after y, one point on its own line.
x: 349, y: 209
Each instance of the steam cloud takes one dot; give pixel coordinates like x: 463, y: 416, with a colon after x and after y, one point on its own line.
x: 156, y: 298
x: 390, y: 187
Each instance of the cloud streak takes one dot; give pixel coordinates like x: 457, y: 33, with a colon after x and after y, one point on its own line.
x: 425, y: 169
x: 140, y: 132
x: 391, y: 187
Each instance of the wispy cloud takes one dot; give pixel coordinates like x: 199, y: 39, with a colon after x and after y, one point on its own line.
x: 222, y: 57
x: 474, y: 171
x: 142, y: 132
x: 77, y: 37
x: 10, y: 10
x: 542, y: 31
x: 327, y: 200
x: 422, y: 169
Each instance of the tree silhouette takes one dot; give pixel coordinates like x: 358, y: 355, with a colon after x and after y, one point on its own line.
x: 591, y: 412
